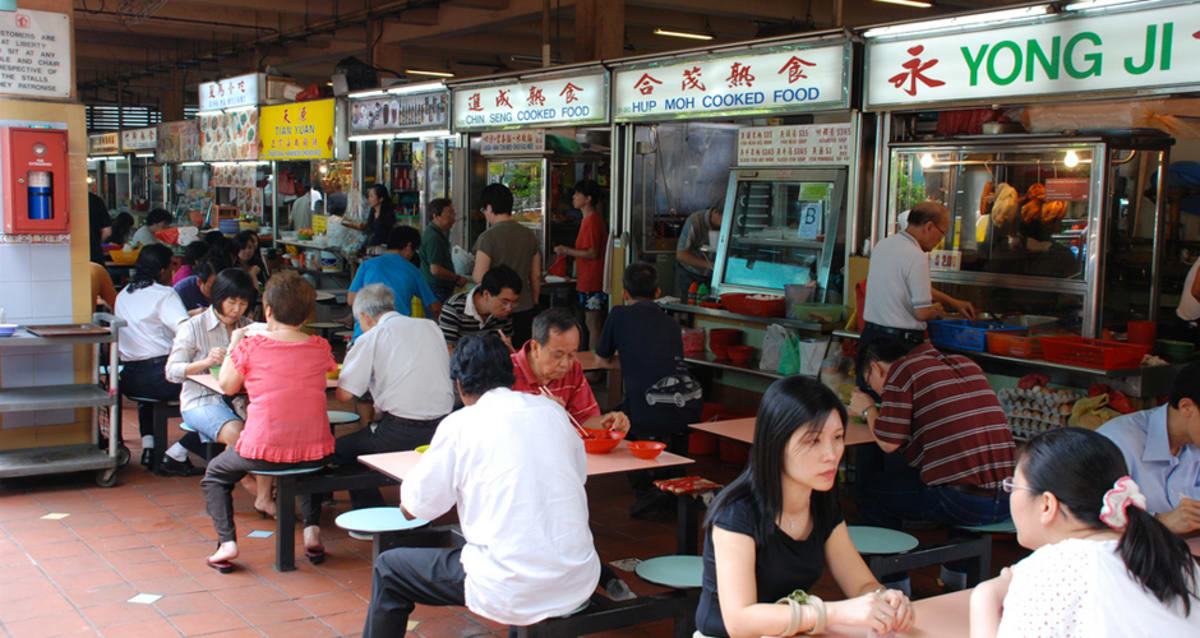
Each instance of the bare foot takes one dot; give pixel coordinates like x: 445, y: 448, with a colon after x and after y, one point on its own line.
x: 226, y: 551
x: 250, y: 485
x: 312, y: 538
x: 266, y: 507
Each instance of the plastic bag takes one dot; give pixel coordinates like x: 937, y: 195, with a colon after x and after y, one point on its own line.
x: 789, y: 357
x: 464, y: 262
x: 1091, y: 412
x: 812, y: 353
x: 772, y: 347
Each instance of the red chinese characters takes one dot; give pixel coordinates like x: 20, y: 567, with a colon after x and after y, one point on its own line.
x: 645, y: 84
x: 473, y: 102
x: 303, y: 113
x: 286, y: 119
x: 502, y: 98
x: 691, y: 80
x: 795, y: 69
x: 915, y: 70
x: 739, y: 75
x: 569, y: 92
x: 535, y: 97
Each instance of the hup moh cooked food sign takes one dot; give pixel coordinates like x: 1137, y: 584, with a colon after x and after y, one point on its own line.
x: 1148, y: 49
x: 303, y: 130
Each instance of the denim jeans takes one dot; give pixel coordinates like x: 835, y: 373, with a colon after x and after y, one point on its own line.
x: 887, y: 491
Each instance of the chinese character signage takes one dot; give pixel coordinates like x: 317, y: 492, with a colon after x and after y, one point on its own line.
x: 792, y: 78
x: 104, y: 144
x: 178, y: 141
x: 35, y: 54
x: 510, y: 142
x: 795, y: 145
x: 574, y: 100
x: 243, y: 90
x: 300, y: 130
x: 1130, y: 51
x: 404, y: 112
x: 228, y: 137
x: 139, y: 139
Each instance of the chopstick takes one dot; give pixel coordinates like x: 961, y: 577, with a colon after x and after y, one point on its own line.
x: 578, y: 428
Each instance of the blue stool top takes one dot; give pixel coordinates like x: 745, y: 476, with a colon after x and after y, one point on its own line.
x: 186, y: 428
x: 288, y: 472
x: 373, y: 520
x: 339, y: 417
x: 880, y: 540
x: 672, y: 571
x: 1003, y: 527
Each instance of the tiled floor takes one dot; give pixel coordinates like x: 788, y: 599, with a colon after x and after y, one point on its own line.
x: 75, y: 575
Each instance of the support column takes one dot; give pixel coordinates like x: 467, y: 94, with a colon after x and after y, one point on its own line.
x: 172, y: 97
x: 599, y: 29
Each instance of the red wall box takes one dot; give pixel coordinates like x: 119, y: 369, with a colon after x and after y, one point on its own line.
x: 36, y: 180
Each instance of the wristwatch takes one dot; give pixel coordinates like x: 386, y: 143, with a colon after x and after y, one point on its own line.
x: 864, y: 413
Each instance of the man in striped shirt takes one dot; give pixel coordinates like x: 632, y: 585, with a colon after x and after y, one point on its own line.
x: 941, y: 413
x: 487, y: 307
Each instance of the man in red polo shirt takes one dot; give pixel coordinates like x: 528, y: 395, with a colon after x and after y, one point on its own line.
x: 548, y: 361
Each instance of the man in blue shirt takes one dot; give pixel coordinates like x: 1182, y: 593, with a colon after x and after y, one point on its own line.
x: 395, y: 270
x: 1162, y: 450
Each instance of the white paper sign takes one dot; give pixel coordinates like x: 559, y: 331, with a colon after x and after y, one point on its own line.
x: 945, y: 260
x: 139, y: 139
x: 242, y: 90
x: 1146, y: 49
x: 510, y: 142
x: 104, y: 143
x: 793, y: 145
x: 788, y: 78
x: 35, y: 53
x: 571, y: 100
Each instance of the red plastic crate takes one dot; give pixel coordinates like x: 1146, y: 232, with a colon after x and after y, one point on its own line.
x: 1094, y: 353
x: 742, y: 304
x: 1013, y: 345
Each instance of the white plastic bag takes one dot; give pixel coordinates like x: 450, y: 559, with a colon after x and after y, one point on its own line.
x: 464, y: 262
x: 772, y: 346
x: 812, y: 354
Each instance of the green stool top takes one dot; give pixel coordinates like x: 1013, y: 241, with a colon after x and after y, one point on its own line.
x: 373, y: 520
x: 1003, y: 527
x: 338, y: 417
x: 672, y: 571
x: 880, y: 540
x: 288, y: 472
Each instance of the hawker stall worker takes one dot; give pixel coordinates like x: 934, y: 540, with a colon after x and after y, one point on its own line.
x: 486, y: 308
x: 481, y: 463
x: 900, y: 298
x: 547, y: 363
x: 404, y: 364
x: 691, y: 266
x: 157, y: 220
x: 941, y: 413
x: 1161, y: 447
x: 394, y: 269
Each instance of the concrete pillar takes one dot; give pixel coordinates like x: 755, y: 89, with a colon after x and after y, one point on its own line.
x: 599, y: 29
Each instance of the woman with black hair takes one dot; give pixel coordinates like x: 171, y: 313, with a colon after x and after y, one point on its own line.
x: 193, y: 254
x: 121, y: 226
x: 380, y: 218
x: 152, y: 311
x: 1101, y: 565
x: 247, y: 257
x: 775, y: 528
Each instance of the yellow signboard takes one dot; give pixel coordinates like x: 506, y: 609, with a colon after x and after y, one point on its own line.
x: 301, y: 130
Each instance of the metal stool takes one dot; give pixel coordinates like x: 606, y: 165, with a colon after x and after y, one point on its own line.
x: 209, y: 446
x: 378, y: 522
x: 285, y: 513
x: 676, y: 571
x: 324, y: 328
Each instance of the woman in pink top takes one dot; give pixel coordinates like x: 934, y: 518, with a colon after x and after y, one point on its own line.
x: 283, y: 371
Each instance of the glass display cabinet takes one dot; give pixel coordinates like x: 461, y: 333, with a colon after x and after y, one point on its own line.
x: 1035, y: 221
x: 779, y: 227
x: 526, y: 178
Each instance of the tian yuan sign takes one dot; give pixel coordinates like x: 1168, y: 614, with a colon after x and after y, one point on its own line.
x: 1129, y: 51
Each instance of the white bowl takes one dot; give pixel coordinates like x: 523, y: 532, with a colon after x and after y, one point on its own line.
x: 7, y: 329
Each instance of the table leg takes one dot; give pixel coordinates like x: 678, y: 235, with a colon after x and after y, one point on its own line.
x: 160, y: 436
x: 686, y: 537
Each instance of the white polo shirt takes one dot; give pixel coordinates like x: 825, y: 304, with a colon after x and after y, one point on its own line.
x: 515, y: 469
x: 153, y: 314
x: 1189, y: 306
x: 898, y: 283
x: 404, y: 363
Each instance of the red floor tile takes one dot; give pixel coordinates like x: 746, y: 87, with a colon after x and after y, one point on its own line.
x: 208, y: 622
x: 15, y: 610
x: 115, y: 542
x: 272, y: 613
x: 74, y: 564
x: 189, y: 603
x: 333, y: 603
x: 307, y: 628
x: 155, y: 628
x: 104, y: 595
x: 164, y: 586
x: 121, y: 613
x: 247, y: 596
x: 347, y: 623
x: 58, y: 550
x: 135, y: 556
x: 455, y: 626
x: 59, y: 624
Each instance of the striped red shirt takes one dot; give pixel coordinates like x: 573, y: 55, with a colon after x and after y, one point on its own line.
x: 573, y: 388
x: 945, y: 416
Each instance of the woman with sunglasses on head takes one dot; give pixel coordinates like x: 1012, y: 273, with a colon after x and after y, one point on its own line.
x: 1101, y: 565
x: 776, y: 527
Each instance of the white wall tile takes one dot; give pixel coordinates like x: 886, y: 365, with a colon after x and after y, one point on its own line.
x: 50, y: 262
x: 14, y: 262
x: 16, y: 299
x: 52, y: 299
x: 19, y: 419
x: 16, y: 370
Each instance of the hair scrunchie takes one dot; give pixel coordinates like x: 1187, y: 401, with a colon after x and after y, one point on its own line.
x: 1124, y: 493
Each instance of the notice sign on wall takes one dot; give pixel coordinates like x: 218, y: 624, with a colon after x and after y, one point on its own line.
x: 794, y: 145
x: 35, y: 53
x: 509, y: 142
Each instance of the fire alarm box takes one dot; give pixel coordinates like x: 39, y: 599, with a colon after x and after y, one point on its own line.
x: 36, y: 182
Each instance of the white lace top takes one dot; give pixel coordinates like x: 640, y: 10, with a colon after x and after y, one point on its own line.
x: 1080, y: 589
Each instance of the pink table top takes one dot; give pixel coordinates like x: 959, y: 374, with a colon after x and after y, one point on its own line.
x: 591, y: 361
x: 945, y: 616
x: 209, y: 381
x: 398, y: 464
x: 743, y: 430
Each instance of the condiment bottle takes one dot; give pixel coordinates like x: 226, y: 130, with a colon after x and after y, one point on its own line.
x: 693, y: 291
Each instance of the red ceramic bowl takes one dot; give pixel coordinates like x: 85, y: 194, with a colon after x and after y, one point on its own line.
x: 603, y: 442
x: 741, y: 354
x: 646, y: 449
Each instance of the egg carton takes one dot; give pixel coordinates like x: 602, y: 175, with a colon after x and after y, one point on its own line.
x: 1038, y: 396
x: 1027, y: 427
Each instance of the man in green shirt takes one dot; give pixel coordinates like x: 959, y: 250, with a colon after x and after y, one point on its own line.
x: 436, y: 264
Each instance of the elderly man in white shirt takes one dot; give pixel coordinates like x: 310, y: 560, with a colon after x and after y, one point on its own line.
x: 515, y: 469
x: 404, y: 364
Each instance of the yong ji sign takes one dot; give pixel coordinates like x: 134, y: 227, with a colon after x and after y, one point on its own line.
x: 796, y: 78
x: 1130, y: 51
x: 581, y: 99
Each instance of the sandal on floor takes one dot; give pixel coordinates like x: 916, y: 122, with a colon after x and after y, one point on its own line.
x: 316, y: 556
x: 222, y: 566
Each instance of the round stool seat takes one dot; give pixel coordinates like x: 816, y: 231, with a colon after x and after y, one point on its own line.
x: 880, y: 540
x: 323, y: 325
x: 291, y: 471
x: 340, y: 417
x: 323, y: 296
x: 672, y: 571
x: 185, y: 427
x: 373, y: 520
x: 1003, y: 527
x: 346, y: 334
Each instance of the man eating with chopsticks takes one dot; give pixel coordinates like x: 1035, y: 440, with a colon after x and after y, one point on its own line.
x: 546, y: 364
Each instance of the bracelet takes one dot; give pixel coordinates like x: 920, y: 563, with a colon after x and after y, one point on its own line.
x: 795, y: 618
x: 822, y: 619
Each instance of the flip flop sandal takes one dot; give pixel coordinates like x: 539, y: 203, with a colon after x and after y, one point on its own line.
x: 222, y: 566
x: 315, y: 556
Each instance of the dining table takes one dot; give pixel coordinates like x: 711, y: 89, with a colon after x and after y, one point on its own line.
x: 942, y: 616
x: 743, y: 430
x: 209, y: 381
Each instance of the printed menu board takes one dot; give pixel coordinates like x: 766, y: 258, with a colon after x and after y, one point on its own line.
x: 178, y: 141
x: 229, y: 136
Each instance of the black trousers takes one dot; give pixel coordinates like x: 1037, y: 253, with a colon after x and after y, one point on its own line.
x: 408, y: 575
x: 392, y: 434
x: 226, y: 470
x: 147, y: 378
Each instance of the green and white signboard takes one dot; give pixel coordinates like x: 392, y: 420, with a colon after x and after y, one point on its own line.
x: 1152, y: 49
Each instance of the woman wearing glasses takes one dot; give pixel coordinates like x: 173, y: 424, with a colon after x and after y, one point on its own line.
x: 1101, y: 566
